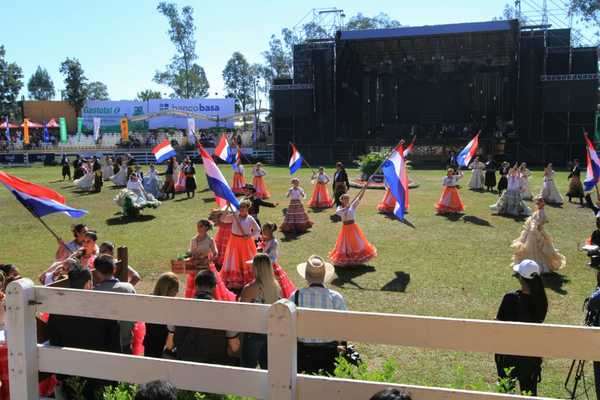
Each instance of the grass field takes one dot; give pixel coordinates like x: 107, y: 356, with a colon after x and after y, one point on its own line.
x: 438, y: 266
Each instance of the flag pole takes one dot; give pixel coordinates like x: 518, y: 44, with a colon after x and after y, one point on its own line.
x: 58, y: 238
x: 304, y: 161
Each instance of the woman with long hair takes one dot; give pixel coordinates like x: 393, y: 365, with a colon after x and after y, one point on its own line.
x: 528, y: 304
x: 549, y: 192
x: 258, y: 181
x: 158, y: 336
x: 264, y: 289
x: 270, y: 246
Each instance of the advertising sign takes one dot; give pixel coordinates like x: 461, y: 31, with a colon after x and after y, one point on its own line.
x: 210, y: 107
x: 111, y: 113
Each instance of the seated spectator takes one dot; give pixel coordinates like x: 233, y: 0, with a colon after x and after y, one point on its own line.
x: 203, y: 345
x: 83, y: 333
x: 133, y: 276
x: 156, y: 390
x: 315, y: 355
x: 105, y: 271
x: 84, y: 256
x: 11, y: 273
x: 391, y: 394
x: 66, y: 249
x: 160, y: 337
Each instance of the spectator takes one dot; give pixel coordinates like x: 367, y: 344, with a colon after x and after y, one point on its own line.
x: 209, y: 346
x: 156, y: 390
x: 315, y: 355
x: 264, y: 289
x: 66, y: 249
x: 133, y: 276
x: 105, y: 271
x: 529, y: 304
x: 158, y: 336
x: 83, y: 333
x: 391, y: 394
x: 11, y: 273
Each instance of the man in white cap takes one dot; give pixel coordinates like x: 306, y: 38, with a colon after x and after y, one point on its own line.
x: 313, y: 354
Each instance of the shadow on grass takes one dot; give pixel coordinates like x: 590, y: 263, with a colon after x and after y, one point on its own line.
x: 398, y: 284
x: 348, y: 274
x: 402, y: 221
x: 554, y: 205
x: 291, y: 236
x: 452, y: 216
x: 208, y: 199
x: 555, y: 282
x: 318, y: 210
x: 183, y: 199
x: 117, y: 187
x: 121, y: 220
x: 476, y: 221
x: 205, y: 190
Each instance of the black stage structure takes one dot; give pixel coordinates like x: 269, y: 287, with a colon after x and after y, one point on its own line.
x: 529, y: 91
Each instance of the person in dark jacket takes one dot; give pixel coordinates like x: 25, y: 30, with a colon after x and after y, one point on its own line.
x: 529, y: 304
x: 256, y: 203
x: 341, y: 185
x: 575, y: 185
x: 490, y: 174
x: 66, y: 167
x: 159, y: 337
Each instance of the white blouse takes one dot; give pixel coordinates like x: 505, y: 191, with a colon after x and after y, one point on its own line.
x: 238, y: 169
x: 348, y: 213
x: 451, y: 181
x: 135, y: 185
x: 272, y: 249
x: 323, y: 178
x: 245, y: 226
x: 258, y: 172
x: 514, y: 183
x: 296, y: 193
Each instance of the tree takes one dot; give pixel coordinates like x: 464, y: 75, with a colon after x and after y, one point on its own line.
x: 239, y: 80
x: 11, y: 76
x: 76, y: 89
x: 279, y: 62
x: 40, y: 85
x: 589, y: 10
x: 186, y: 78
x: 381, y: 20
x: 97, y: 91
x: 148, y: 94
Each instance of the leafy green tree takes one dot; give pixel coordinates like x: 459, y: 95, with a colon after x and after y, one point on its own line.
x: 76, y: 88
x: 278, y: 60
x: 239, y: 80
x: 40, y: 85
x: 361, y: 21
x: 11, y: 76
x: 97, y: 91
x: 589, y: 10
x: 148, y: 94
x: 183, y: 75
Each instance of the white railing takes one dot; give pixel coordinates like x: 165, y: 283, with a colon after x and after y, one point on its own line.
x: 283, y: 323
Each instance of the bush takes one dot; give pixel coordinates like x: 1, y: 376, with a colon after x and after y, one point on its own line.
x: 368, y: 163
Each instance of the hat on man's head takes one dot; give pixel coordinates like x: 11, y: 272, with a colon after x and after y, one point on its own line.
x: 316, y: 270
x: 527, y: 269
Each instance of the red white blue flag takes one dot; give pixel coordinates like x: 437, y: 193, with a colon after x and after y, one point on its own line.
x: 593, y: 166
x: 224, y: 151
x: 295, y: 160
x: 163, y: 151
x: 466, y: 155
x: 216, y: 181
x: 396, y: 178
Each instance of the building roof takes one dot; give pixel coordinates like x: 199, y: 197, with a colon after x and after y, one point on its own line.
x: 427, y: 30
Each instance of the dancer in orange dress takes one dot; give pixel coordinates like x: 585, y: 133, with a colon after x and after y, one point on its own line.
x: 270, y: 246
x: 259, y: 182
x: 222, y: 220
x: 450, y: 201
x: 320, y: 198
x: 388, y: 203
x: 296, y: 219
x: 351, y: 247
x: 239, y: 181
x: 201, y: 253
x: 240, y: 248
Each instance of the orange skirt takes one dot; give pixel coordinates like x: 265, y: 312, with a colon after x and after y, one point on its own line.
x: 261, y: 188
x: 387, y: 204
x: 450, y: 201
x: 220, y: 292
x: 320, y: 197
x: 351, y: 247
x: 235, y: 272
x: 221, y: 240
x: 239, y: 183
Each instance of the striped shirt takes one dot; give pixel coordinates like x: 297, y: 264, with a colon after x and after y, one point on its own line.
x: 319, y: 297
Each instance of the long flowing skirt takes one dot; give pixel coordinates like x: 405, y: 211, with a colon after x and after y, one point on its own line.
x: 220, y: 292
x: 575, y: 188
x: 236, y: 273
x: 526, y: 190
x: 287, y: 286
x: 387, y: 204
x: 477, y: 180
x: 550, y: 193
x: 107, y: 172
x: 221, y: 240
x: 261, y: 187
x: 132, y: 202
x: 190, y: 184
x: 85, y: 182
x: 352, y: 247
x: 296, y: 219
x: 180, y: 182
x: 511, y: 203
x: 320, y: 197
x: 535, y: 244
x: 120, y: 178
x: 239, y: 183
x: 502, y: 183
x: 490, y: 179
x: 450, y: 201
x: 153, y: 186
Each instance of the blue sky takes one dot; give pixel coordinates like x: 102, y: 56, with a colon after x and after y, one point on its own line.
x: 122, y: 43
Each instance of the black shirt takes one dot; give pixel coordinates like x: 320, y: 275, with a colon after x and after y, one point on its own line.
x: 517, y: 307
x: 576, y: 171
x: 256, y: 203
x: 84, y: 333
x: 341, y: 176
x: 155, y: 339
x: 490, y: 166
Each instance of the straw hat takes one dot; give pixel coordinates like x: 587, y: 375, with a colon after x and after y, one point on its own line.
x: 316, y: 270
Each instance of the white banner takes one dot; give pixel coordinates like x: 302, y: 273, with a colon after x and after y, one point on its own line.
x: 191, y: 129
x: 96, y: 128
x: 210, y: 107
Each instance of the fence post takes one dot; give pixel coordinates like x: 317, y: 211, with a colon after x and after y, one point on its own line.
x: 21, y: 331
x: 282, y: 348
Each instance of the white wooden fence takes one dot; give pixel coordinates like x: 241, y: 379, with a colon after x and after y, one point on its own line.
x: 283, y: 323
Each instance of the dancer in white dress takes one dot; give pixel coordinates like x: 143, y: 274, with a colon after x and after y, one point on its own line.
x: 120, y: 178
x: 550, y: 193
x: 525, y: 189
x: 87, y: 180
x: 152, y: 184
x: 134, y: 198
x: 477, y: 178
x: 107, y: 168
x: 511, y: 203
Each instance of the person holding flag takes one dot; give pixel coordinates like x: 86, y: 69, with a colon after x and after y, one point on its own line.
x: 387, y: 205
x: 450, y: 202
x: 258, y: 181
x: 396, y: 180
x: 296, y: 220
x: 320, y: 198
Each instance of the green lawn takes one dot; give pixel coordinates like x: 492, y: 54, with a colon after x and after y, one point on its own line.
x: 437, y: 266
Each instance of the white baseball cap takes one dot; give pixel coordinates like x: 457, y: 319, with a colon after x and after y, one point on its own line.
x: 527, y: 268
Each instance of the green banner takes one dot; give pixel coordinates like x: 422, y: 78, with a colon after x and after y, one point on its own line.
x: 597, y: 128
x: 63, y: 129
x: 79, y: 125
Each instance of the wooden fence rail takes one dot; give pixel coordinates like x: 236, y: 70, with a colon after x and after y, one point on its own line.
x: 283, y: 323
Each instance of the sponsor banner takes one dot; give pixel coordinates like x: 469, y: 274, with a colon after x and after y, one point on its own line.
x: 110, y: 114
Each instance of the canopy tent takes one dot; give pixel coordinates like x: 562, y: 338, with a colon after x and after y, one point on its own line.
x: 171, y: 113
x: 239, y: 116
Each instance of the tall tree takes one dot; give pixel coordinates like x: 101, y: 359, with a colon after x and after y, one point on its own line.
x: 277, y: 59
x: 40, y: 85
x: 97, y: 91
x: 589, y: 10
x: 186, y: 78
x: 381, y: 20
x: 148, y: 94
x: 239, y: 80
x: 76, y: 90
x: 11, y: 82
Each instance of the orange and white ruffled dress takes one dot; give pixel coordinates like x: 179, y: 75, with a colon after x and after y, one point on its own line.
x: 388, y: 203
x: 236, y: 273
x: 320, y: 197
x: 351, y: 246
x: 259, y: 183
x: 239, y: 181
x: 450, y: 201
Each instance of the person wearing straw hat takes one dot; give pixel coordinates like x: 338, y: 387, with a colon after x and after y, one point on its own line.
x: 313, y: 354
